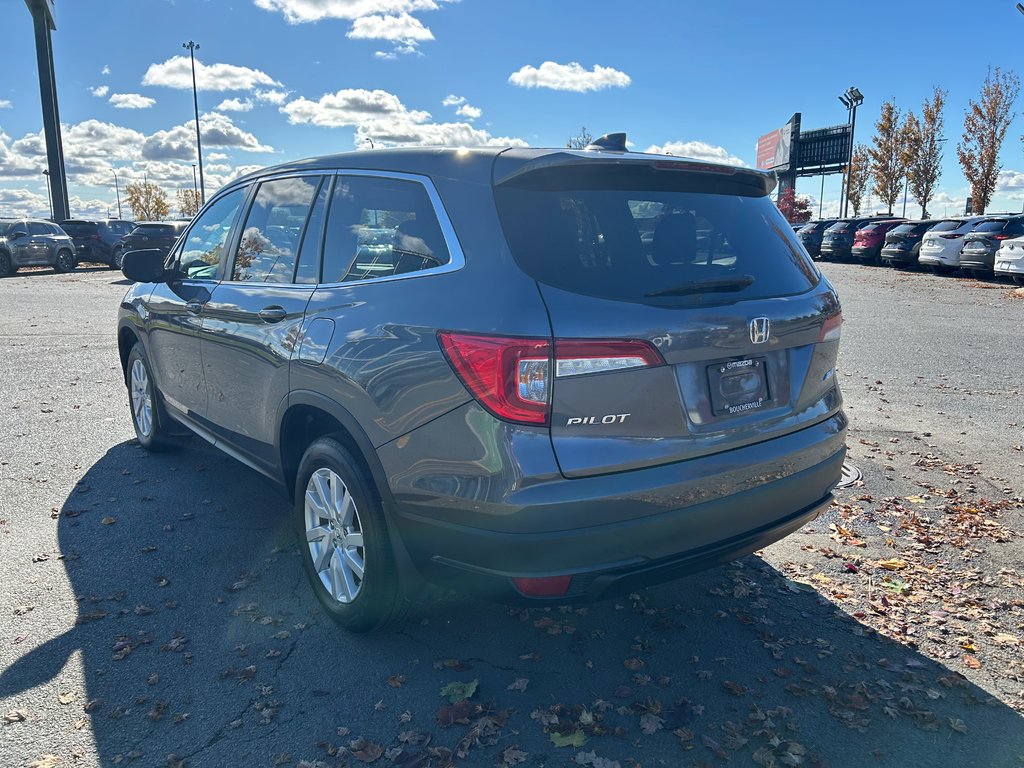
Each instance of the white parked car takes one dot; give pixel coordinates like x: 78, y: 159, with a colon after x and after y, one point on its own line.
x: 1010, y: 260
x: 940, y: 247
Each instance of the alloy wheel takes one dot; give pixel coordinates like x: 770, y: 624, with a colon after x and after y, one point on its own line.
x: 334, y: 535
x: 142, y: 399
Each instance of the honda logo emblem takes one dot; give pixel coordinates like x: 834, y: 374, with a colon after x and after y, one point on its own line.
x: 760, y: 329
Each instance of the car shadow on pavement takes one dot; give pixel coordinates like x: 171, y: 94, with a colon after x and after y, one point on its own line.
x: 201, y: 640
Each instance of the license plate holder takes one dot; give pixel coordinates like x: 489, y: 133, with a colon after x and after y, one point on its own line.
x: 738, y: 386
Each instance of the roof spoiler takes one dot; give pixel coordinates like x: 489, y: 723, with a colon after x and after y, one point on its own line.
x: 610, y: 142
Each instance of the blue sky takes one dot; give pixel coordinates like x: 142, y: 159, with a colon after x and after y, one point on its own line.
x: 282, y: 79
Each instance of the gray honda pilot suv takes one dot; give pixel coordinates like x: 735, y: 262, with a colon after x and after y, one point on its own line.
x: 547, y: 374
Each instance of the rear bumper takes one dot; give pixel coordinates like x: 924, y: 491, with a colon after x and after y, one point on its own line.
x: 836, y: 249
x: 950, y: 258
x: 865, y: 252
x: 899, y: 256
x: 978, y: 261
x: 656, y: 523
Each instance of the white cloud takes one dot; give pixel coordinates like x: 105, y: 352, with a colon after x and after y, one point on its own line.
x: 569, y: 77
x: 451, y: 100
x: 176, y: 72
x: 382, y: 118
x: 105, y: 70
x: 5, y: 103
x: 234, y: 105
x: 216, y: 156
x: 272, y: 96
x: 698, y: 150
x: 301, y: 11
x: 131, y: 101
x: 468, y: 110
x: 179, y: 143
x: 1010, y: 181
x: 404, y: 28
x: 100, y: 91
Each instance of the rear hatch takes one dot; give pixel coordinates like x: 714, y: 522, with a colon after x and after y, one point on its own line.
x: 983, y: 241
x: 839, y: 236
x: 84, y: 233
x: 714, y: 332
x: 160, y: 236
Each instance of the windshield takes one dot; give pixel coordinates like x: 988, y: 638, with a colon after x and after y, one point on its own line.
x: 611, y: 236
x: 79, y: 228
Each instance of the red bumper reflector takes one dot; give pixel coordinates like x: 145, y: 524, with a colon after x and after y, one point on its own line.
x: 544, y: 586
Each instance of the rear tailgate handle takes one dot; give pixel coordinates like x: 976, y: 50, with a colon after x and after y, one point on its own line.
x: 273, y: 314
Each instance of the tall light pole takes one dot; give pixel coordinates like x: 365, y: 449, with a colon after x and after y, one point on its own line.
x: 46, y: 173
x: 851, y: 99
x: 195, y: 186
x: 117, y: 188
x: 192, y: 48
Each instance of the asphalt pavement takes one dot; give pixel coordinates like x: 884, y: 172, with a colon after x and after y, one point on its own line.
x: 154, y: 611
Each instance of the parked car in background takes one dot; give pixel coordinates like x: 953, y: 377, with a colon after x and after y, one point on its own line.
x: 869, y: 239
x: 34, y: 243
x: 903, y: 242
x: 153, y: 234
x: 98, y: 240
x: 634, y: 424
x: 977, y: 256
x: 810, y: 235
x: 1010, y: 260
x: 837, y: 240
x: 940, y: 246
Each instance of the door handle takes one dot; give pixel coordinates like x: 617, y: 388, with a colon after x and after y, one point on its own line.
x: 273, y: 314
x: 194, y: 307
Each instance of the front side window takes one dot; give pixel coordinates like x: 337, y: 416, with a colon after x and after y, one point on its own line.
x: 273, y: 229
x: 201, y: 252
x: 380, y: 227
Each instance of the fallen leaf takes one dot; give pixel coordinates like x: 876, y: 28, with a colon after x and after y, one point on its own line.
x: 519, y: 684
x: 67, y: 698
x: 46, y: 761
x: 458, y: 712
x: 574, y: 739
x: 958, y: 725
x: 15, y: 716
x: 892, y: 564
x: 395, y: 681
x: 108, y: 520
x: 458, y: 691
x: 368, y: 752
x: 972, y: 661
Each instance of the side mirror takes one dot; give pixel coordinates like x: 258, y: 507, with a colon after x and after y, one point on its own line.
x: 145, y: 266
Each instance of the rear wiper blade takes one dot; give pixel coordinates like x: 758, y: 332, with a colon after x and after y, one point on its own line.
x: 706, y: 286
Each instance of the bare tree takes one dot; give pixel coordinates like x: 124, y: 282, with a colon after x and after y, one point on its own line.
x: 985, y: 126
x: 581, y: 140
x: 188, y: 203
x: 923, y: 146
x: 887, y: 155
x: 857, y: 178
x: 147, y: 201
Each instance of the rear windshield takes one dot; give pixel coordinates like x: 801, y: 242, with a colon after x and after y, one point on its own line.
x: 995, y: 225
x: 120, y: 227
x: 839, y: 225
x: 816, y: 226
x: 156, y: 230
x: 609, y: 235
x: 79, y: 228
x: 948, y: 226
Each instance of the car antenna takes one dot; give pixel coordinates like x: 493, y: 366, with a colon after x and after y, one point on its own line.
x: 612, y: 142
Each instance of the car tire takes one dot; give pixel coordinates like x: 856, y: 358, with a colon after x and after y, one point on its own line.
x: 1018, y: 280
x: 150, y: 420
x: 7, y: 267
x: 943, y: 269
x: 65, y: 261
x: 979, y: 274
x: 344, y: 539
x: 115, y: 258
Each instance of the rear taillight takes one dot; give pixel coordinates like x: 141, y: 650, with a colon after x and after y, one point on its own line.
x: 832, y: 328
x: 543, y: 586
x: 952, y: 236
x: 95, y: 237
x: 998, y: 237
x: 840, y: 232
x: 512, y: 377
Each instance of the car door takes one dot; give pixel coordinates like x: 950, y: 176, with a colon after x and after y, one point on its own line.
x: 18, y: 239
x: 176, y: 307
x: 39, y: 242
x: 252, y: 322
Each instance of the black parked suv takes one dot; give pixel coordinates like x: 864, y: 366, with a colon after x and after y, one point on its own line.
x: 977, y: 256
x: 157, y: 235
x: 810, y: 235
x: 469, y: 367
x: 837, y: 240
x: 34, y: 243
x: 903, y: 243
x: 98, y: 240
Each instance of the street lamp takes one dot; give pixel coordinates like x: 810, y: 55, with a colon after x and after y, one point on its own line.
x: 192, y: 48
x: 117, y: 188
x: 195, y: 186
x: 46, y: 173
x: 851, y: 99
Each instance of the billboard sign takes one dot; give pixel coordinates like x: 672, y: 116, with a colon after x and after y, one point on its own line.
x: 773, y: 149
x: 824, y: 147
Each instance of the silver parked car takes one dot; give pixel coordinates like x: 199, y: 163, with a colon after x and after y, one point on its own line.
x: 34, y: 243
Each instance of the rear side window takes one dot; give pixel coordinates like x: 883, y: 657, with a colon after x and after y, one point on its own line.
x: 993, y: 225
x: 80, y: 229
x: 38, y: 228
x: 608, y: 236
x: 270, y: 237
x: 947, y: 226
x: 380, y: 227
